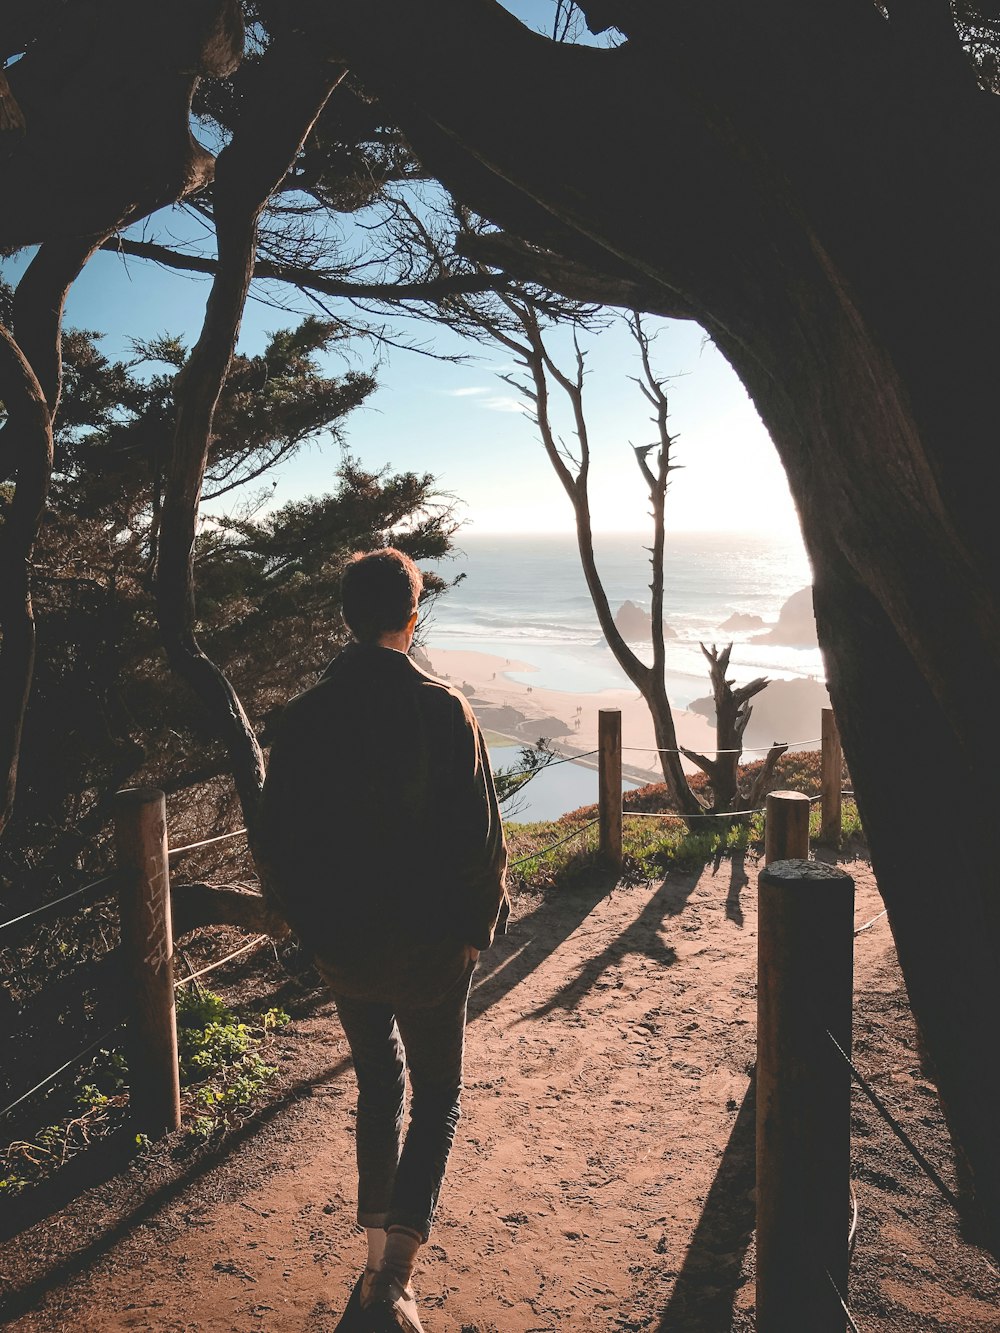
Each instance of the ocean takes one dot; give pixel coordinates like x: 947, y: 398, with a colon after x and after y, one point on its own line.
x: 524, y: 597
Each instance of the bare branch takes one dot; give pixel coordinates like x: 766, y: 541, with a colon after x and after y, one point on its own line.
x: 762, y: 781
x: 431, y: 289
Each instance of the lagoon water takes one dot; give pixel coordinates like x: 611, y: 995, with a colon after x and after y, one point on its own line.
x: 550, y: 793
x: 524, y: 597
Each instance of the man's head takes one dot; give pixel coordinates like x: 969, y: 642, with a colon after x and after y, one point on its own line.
x: 379, y: 593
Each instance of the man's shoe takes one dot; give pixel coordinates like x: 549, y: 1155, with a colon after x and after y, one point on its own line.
x: 352, y: 1321
x: 389, y: 1307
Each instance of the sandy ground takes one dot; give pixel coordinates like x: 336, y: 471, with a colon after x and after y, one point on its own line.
x: 602, y: 1176
x: 526, y: 712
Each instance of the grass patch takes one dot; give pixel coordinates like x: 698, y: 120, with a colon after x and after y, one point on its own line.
x: 651, y: 846
x: 497, y: 738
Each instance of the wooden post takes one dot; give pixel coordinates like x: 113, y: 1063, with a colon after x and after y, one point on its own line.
x: 609, y: 799
x: 831, y: 768
x: 147, y: 940
x: 786, y: 826
x: 805, y: 955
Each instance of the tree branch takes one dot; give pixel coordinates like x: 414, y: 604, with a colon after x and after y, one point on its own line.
x: 602, y: 281
x: 431, y: 289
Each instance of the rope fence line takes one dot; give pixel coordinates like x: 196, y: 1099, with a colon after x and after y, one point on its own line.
x: 62, y: 1068
x: 868, y: 924
x: 843, y: 1304
x: 561, y: 759
x: 743, y: 749
x: 895, y: 1126
x: 244, y: 948
x: 205, y: 842
x: 58, y: 902
x: 533, y: 856
x: 702, y: 814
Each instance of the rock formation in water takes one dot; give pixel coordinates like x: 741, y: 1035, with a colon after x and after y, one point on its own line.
x: 796, y: 627
x: 743, y: 620
x: 632, y: 623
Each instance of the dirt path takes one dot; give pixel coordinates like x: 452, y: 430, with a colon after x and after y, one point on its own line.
x: 602, y: 1175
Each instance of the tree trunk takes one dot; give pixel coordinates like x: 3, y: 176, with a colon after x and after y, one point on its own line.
x: 824, y: 203
x: 292, y: 86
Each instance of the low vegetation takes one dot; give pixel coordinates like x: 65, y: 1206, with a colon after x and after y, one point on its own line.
x: 224, y: 1072
x: 652, y: 845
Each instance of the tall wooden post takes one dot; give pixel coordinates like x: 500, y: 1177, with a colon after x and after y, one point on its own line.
x: 804, y: 990
x: 786, y: 826
x: 147, y: 940
x: 609, y: 799
x: 831, y: 768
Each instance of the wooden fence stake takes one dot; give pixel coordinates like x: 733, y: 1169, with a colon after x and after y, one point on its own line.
x: 147, y: 941
x: 831, y: 782
x: 804, y: 990
x: 609, y: 800
x: 786, y: 826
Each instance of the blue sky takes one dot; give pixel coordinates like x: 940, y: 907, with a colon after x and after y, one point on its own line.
x: 464, y: 425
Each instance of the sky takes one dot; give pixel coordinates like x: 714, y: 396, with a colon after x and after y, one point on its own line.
x: 467, y: 427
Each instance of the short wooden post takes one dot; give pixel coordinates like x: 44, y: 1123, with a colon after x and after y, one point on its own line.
x: 831, y: 769
x: 609, y: 798
x: 804, y: 991
x: 147, y: 940
x: 786, y: 826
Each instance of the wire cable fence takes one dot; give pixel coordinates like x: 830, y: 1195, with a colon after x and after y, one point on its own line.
x: 533, y: 856
x: 740, y: 749
x: 562, y: 759
x: 929, y: 1171
x: 203, y: 971
x: 205, y: 842
x: 874, y: 921
x: 85, y: 889
x: 69, y: 1064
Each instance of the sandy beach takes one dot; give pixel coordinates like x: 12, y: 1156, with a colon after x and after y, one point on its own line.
x: 569, y: 721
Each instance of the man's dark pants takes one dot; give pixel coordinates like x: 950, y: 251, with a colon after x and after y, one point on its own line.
x: 399, y: 1179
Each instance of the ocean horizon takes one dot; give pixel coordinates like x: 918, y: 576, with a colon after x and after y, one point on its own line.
x: 524, y: 597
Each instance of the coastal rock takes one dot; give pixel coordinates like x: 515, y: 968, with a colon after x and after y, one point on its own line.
x: 787, y: 710
x: 420, y: 657
x: 632, y: 623
x: 743, y: 620
x: 510, y: 721
x: 796, y: 627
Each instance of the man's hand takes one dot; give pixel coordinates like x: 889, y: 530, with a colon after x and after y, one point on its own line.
x: 472, y: 953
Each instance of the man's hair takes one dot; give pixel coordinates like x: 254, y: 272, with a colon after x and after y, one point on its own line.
x: 379, y: 591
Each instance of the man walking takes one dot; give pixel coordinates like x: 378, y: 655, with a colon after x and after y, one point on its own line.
x: 379, y: 841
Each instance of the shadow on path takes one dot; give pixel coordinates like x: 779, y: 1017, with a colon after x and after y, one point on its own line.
x: 702, y: 1298
x: 641, y: 937
x: 531, y: 940
x: 19, y: 1302
x: 738, y: 880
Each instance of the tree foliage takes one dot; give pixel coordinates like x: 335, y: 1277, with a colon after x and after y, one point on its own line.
x: 105, y: 710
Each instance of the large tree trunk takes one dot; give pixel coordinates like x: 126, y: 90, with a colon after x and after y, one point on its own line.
x: 821, y: 196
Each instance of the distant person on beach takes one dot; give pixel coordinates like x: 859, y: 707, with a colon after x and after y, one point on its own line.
x: 379, y: 842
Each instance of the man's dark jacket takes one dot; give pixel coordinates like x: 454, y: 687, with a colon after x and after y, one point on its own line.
x: 379, y: 837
